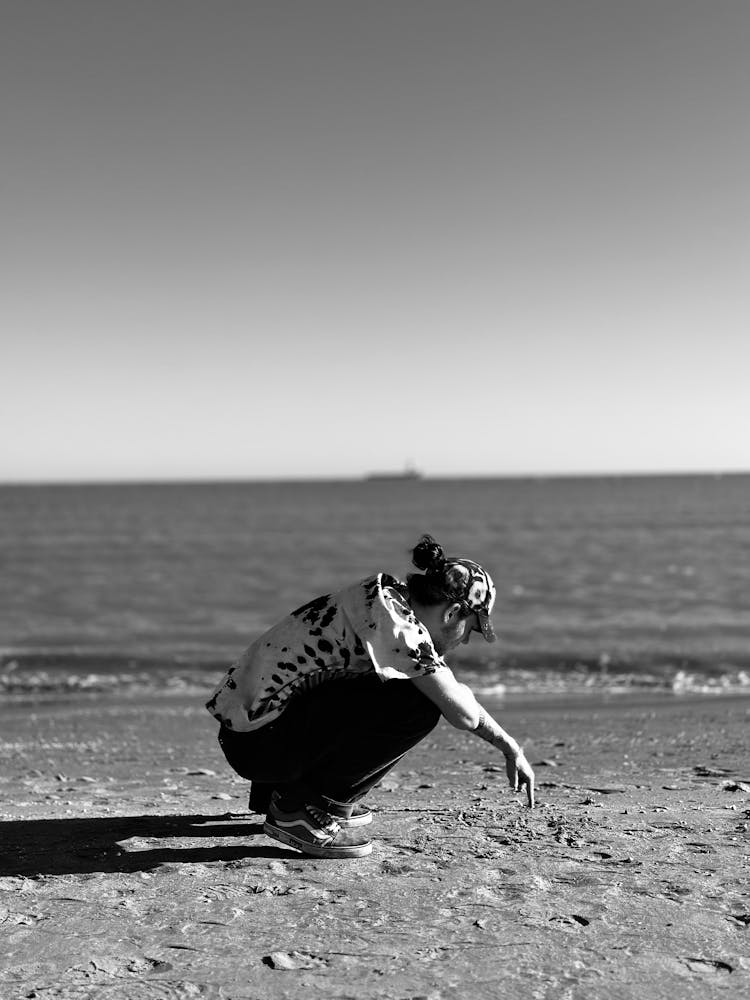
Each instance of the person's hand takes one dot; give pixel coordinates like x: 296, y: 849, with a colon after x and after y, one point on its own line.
x: 519, y: 774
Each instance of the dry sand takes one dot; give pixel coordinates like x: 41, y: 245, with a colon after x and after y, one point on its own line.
x: 130, y: 868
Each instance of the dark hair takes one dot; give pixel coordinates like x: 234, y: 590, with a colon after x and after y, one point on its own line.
x: 433, y: 586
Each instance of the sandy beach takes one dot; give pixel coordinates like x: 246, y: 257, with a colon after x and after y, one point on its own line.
x: 131, y: 869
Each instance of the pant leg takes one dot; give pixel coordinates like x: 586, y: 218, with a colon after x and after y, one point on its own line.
x: 260, y: 796
x: 335, y: 741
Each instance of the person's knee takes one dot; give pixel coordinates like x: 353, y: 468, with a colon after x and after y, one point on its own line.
x: 431, y: 715
x: 411, y: 710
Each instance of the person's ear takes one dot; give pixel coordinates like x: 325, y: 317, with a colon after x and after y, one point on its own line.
x: 451, y: 614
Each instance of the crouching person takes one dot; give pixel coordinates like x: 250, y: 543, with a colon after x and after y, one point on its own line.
x: 324, y: 704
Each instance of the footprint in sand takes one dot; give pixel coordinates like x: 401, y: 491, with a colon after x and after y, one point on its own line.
x: 709, y: 965
x: 287, y: 960
x: 571, y: 919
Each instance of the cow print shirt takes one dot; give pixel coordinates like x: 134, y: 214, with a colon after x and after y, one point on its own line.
x: 364, y: 628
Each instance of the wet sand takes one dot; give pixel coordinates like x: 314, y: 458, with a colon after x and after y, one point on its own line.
x: 131, y: 869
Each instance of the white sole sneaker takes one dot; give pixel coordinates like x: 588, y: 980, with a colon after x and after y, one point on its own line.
x: 275, y: 829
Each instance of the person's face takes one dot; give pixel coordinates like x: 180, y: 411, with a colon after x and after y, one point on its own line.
x: 453, y: 630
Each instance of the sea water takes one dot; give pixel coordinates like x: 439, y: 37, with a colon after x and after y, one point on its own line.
x: 609, y: 583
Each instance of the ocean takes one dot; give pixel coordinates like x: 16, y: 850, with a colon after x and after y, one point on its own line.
x: 604, y: 584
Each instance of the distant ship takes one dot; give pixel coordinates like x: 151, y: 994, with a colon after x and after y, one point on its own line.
x: 408, y: 473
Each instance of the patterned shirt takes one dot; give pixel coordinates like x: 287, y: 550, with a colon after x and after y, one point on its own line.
x: 368, y: 627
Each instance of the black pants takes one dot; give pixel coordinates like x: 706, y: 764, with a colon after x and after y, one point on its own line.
x: 334, y: 742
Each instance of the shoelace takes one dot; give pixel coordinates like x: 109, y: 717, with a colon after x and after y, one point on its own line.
x: 323, y: 819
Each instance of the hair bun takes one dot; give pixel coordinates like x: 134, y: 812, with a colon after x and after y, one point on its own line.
x: 428, y: 554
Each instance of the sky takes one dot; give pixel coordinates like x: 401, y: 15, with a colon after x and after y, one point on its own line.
x: 314, y: 239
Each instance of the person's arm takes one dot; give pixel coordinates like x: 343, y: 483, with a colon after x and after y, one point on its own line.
x: 461, y: 709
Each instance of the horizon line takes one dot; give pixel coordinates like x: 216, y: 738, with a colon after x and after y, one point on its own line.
x: 367, y: 477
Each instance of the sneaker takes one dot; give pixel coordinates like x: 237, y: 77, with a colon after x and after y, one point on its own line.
x: 315, y: 832
x: 346, y: 814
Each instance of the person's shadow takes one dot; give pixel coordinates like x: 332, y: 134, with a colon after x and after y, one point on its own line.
x: 96, y: 844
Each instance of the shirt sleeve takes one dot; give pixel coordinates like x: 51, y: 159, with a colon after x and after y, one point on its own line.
x: 398, y: 645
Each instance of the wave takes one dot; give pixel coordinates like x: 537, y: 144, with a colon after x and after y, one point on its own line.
x: 42, y: 674
x: 551, y: 675
x: 514, y: 682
